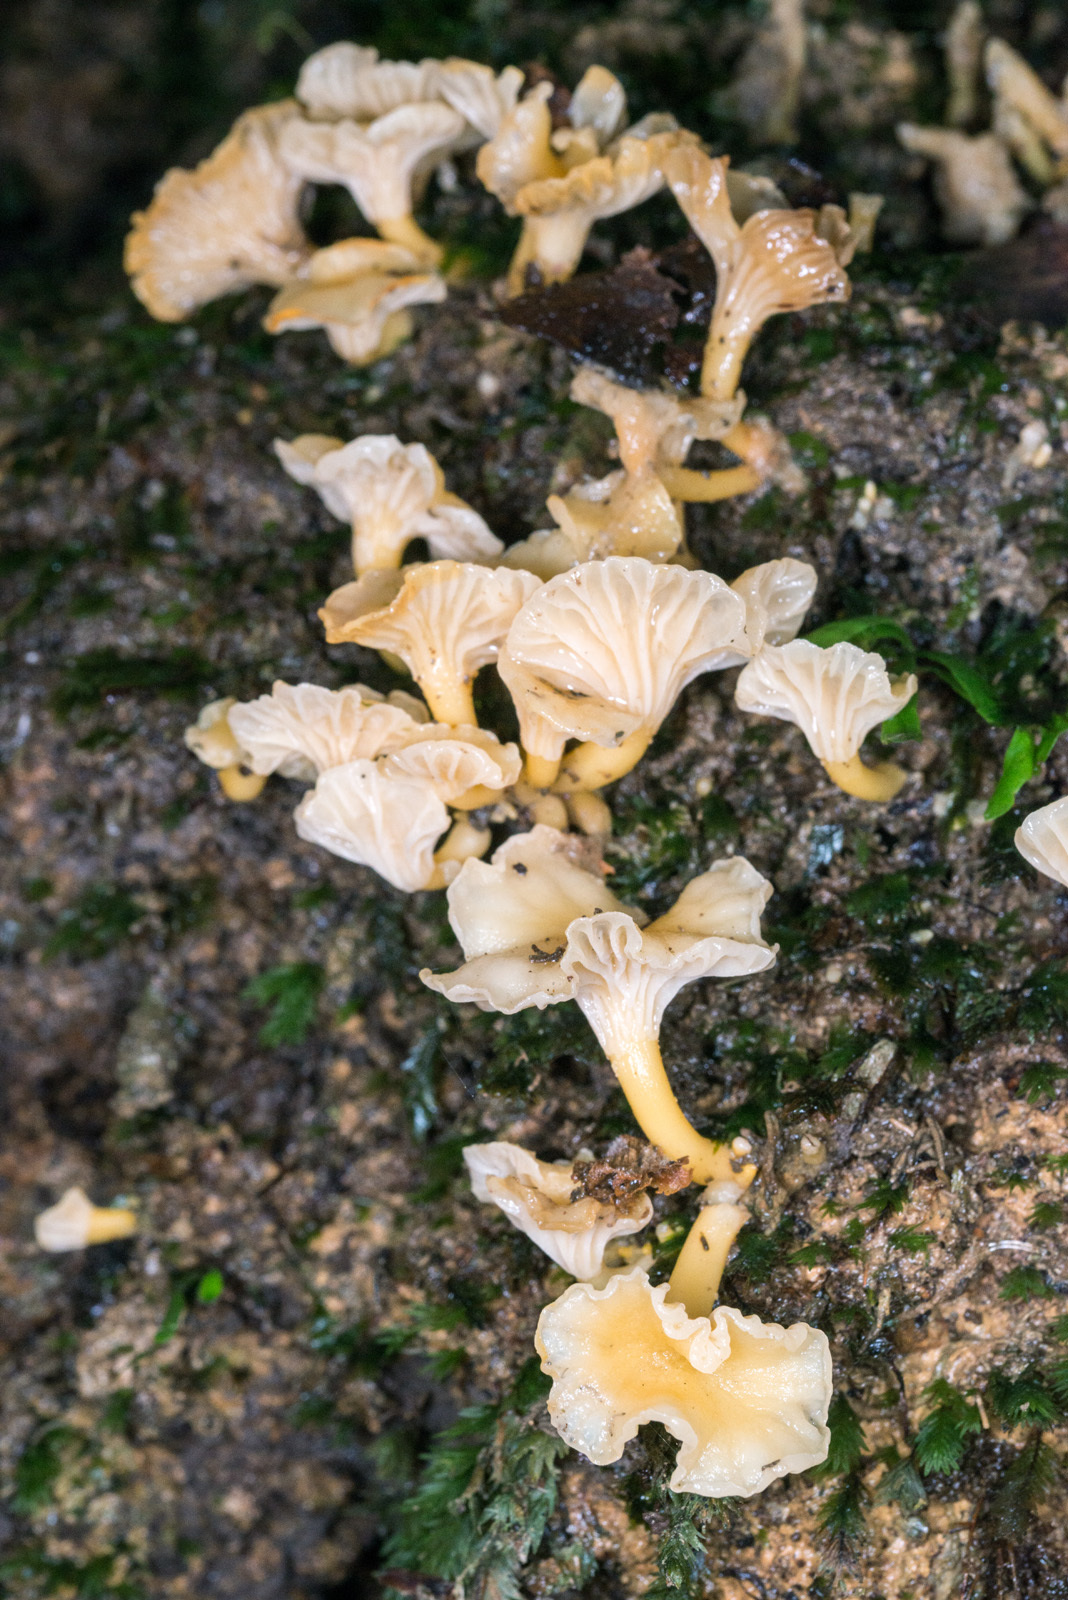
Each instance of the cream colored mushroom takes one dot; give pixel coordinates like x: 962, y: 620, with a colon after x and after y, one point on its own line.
x: 359, y: 291
x: 74, y: 1222
x: 774, y: 262
x: 1027, y: 116
x: 301, y: 730
x: 747, y: 1400
x: 379, y: 162
x: 347, y: 80
x: 978, y: 193
x: 212, y: 741
x: 558, y: 212
x: 777, y: 595
x: 602, y: 652
x: 446, y: 621
x: 484, y: 100
x: 465, y: 766
x: 389, y: 823
x: 765, y: 92
x: 231, y: 222
x: 1042, y: 840
x: 551, y: 932
x: 390, y: 494
x: 535, y: 1196
x: 836, y: 697
x: 963, y: 46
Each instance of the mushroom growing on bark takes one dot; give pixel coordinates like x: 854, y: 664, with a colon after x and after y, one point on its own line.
x: 536, y: 930
x: 359, y: 291
x: 390, y: 494
x: 536, y: 1197
x: 836, y: 697
x: 445, y: 621
x: 602, y: 652
x: 231, y: 222
x: 1042, y: 840
x: 1027, y: 116
x: 978, y: 193
x: 747, y: 1400
x: 212, y: 740
x: 74, y: 1222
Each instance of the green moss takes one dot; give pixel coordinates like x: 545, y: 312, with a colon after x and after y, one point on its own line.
x: 99, y: 920
x: 88, y: 678
x: 292, y: 993
x: 943, y: 1434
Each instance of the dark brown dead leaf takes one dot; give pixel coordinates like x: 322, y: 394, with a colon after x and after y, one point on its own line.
x: 627, y: 1166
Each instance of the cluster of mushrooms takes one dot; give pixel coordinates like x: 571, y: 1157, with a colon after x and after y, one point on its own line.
x: 976, y: 180
x: 594, y: 626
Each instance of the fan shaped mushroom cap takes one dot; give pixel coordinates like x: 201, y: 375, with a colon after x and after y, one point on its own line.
x: 1020, y: 92
x: 602, y: 652
x: 379, y: 162
x: 624, y: 978
x: 654, y: 427
x: 747, y: 1400
x: 1042, y: 840
x: 777, y: 595
x: 623, y: 514
x: 535, y: 1196
x: 358, y: 291
x: 300, y: 730
x: 520, y: 151
x: 560, y: 211
x: 511, y: 916
x: 483, y: 99
x: 74, y: 1222
x: 979, y: 195
x: 774, y: 262
x: 390, y: 824
x: 836, y: 696
x: 229, y: 223
x: 445, y: 622
x: 390, y: 493
x: 457, y: 763
x: 348, y: 80
x: 212, y: 739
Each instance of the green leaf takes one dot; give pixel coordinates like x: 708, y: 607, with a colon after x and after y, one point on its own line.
x: 1024, y: 1283
x: 210, y: 1287
x: 904, y: 725
x: 1017, y: 767
x: 292, y: 992
x: 863, y: 631
x: 968, y: 681
x: 847, y: 1439
x: 944, y: 1431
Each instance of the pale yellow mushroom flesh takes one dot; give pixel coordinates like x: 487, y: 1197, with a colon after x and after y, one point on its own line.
x: 237, y: 783
x: 592, y: 766
x: 699, y: 1268
x: 684, y: 483
x: 407, y: 232
x: 640, y: 1071
x: 880, y: 783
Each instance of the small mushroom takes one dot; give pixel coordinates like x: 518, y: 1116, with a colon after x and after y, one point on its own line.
x: 482, y: 98
x: 74, y: 1222
x: 390, y: 493
x: 963, y: 46
x: 774, y: 262
x: 1042, y: 840
x: 212, y: 740
x: 777, y: 595
x: 1027, y: 116
x: 231, y: 222
x: 445, y: 622
x: 536, y: 1197
x: 347, y: 80
x: 558, y: 212
x: 602, y: 652
x: 359, y: 291
x: 389, y: 823
x: 978, y: 193
x: 533, y: 938
x: 747, y: 1400
x: 301, y: 730
x: 379, y: 162
x: 836, y: 697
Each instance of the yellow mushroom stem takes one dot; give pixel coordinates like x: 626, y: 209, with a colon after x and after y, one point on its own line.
x: 590, y: 814
x: 683, y: 483
x: 591, y: 766
x: 462, y: 842
x: 751, y: 442
x: 407, y: 232
x: 396, y: 330
x: 880, y: 783
x: 549, y: 811
x: 239, y: 784
x: 540, y: 771
x: 695, y: 1279
x: 725, y: 353
x: 480, y: 795
x: 450, y: 701
x: 106, y: 1223
x: 640, y: 1071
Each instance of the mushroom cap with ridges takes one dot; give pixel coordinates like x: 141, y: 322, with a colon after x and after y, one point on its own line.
x: 231, y: 222
x: 653, y: 425
x: 980, y: 197
x: 348, y: 80
x: 389, y: 824
x: 450, y: 761
x: 606, y: 649
x: 624, y: 978
x: 376, y: 161
x: 747, y: 1400
x: 605, y: 186
x: 483, y: 98
x: 447, y: 616
x: 358, y: 313
x: 511, y: 916
x: 519, y: 152
x: 212, y: 739
x: 777, y: 596
x: 836, y: 696
x: 1042, y: 840
x: 535, y: 1196
x: 303, y: 729
x: 599, y: 102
